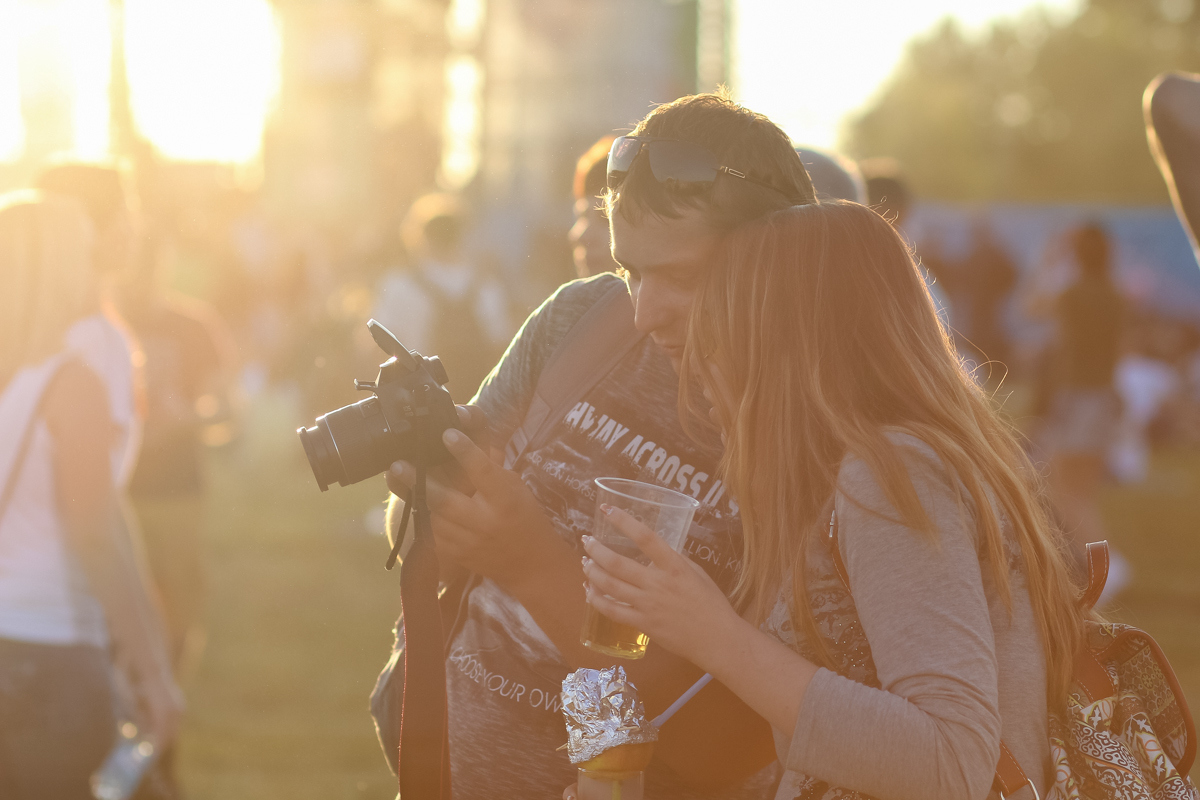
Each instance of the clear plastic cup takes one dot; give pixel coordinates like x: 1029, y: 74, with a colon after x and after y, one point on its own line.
x: 665, y: 511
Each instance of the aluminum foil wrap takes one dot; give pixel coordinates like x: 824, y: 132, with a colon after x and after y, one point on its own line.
x: 602, y: 710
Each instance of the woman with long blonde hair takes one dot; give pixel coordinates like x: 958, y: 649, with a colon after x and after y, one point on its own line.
x: 857, y: 443
x: 72, y: 597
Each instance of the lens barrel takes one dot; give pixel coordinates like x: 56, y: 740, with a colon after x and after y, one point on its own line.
x: 350, y: 444
x: 322, y: 454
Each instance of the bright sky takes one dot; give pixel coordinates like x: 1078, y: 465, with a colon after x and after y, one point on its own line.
x: 808, y: 63
x: 203, y: 73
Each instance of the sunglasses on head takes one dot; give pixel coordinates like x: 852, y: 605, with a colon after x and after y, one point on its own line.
x: 670, y: 160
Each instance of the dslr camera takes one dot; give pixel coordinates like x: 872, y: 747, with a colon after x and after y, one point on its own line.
x: 403, y: 419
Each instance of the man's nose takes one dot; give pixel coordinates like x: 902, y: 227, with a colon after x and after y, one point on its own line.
x: 650, y: 313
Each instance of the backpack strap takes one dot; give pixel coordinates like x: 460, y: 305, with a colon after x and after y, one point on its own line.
x: 10, y: 483
x: 1097, y: 568
x: 1090, y: 674
x: 587, y: 353
x: 22, y: 451
x: 1009, y: 778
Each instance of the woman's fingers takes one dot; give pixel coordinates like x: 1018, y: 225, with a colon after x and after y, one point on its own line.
x: 618, y: 612
x: 569, y: 792
x: 646, y: 540
x: 620, y: 566
x: 610, y: 585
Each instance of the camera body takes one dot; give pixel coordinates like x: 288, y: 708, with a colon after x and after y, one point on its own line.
x: 404, y: 419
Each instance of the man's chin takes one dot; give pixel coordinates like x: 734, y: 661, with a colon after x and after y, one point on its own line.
x: 673, y: 353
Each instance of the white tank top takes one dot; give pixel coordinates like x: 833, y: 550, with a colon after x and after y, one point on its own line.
x: 44, y: 597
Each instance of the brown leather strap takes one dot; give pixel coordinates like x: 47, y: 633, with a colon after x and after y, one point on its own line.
x: 839, y: 566
x: 1091, y: 675
x: 1010, y: 778
x: 1097, y: 567
x: 587, y: 353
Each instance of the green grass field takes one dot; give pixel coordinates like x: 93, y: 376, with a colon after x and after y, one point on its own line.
x: 301, y: 609
x: 300, y: 616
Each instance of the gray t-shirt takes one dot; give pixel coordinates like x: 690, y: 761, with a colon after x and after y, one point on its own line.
x: 503, y: 674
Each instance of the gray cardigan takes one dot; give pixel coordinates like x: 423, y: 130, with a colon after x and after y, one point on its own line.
x: 957, y: 671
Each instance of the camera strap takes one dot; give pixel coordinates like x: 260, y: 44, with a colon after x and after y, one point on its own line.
x: 586, y: 354
x: 424, y: 762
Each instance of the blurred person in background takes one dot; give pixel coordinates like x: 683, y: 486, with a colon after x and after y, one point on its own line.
x: 989, y: 276
x: 1149, y: 382
x: 72, y: 596
x: 442, y: 303
x: 1089, y: 317
x: 1172, y: 110
x: 170, y: 543
x: 834, y: 177
x: 189, y: 364
x: 519, y: 531
x: 591, y: 246
x: 889, y: 195
x: 978, y: 287
x: 103, y: 191
x: 887, y: 190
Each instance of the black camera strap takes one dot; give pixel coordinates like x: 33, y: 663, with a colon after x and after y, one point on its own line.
x: 424, y: 766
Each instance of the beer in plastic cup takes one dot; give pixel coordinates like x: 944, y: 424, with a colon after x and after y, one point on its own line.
x: 666, y: 512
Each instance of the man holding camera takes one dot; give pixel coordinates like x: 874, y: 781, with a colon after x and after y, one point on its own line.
x: 694, y: 169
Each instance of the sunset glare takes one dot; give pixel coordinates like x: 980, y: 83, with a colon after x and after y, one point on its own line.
x: 807, y: 65
x: 12, y: 127
x: 202, y: 75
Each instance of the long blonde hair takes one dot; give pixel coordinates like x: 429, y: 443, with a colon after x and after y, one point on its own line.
x: 46, y: 277
x: 817, y: 319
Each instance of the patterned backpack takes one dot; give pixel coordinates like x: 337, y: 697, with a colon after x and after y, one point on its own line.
x: 1127, y: 733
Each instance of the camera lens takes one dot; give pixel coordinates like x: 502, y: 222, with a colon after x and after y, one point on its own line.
x: 350, y: 444
x: 322, y: 454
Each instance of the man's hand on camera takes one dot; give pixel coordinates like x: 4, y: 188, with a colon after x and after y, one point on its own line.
x: 499, y: 530
x: 471, y: 421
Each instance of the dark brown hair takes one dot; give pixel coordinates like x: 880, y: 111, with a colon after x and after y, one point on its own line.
x: 742, y: 140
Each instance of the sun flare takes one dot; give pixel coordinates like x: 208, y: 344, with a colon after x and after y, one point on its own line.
x: 203, y: 75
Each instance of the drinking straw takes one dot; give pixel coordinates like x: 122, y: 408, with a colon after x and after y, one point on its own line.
x: 678, y: 704
x: 682, y: 701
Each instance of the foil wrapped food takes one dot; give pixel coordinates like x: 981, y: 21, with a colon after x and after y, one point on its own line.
x: 602, y: 710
